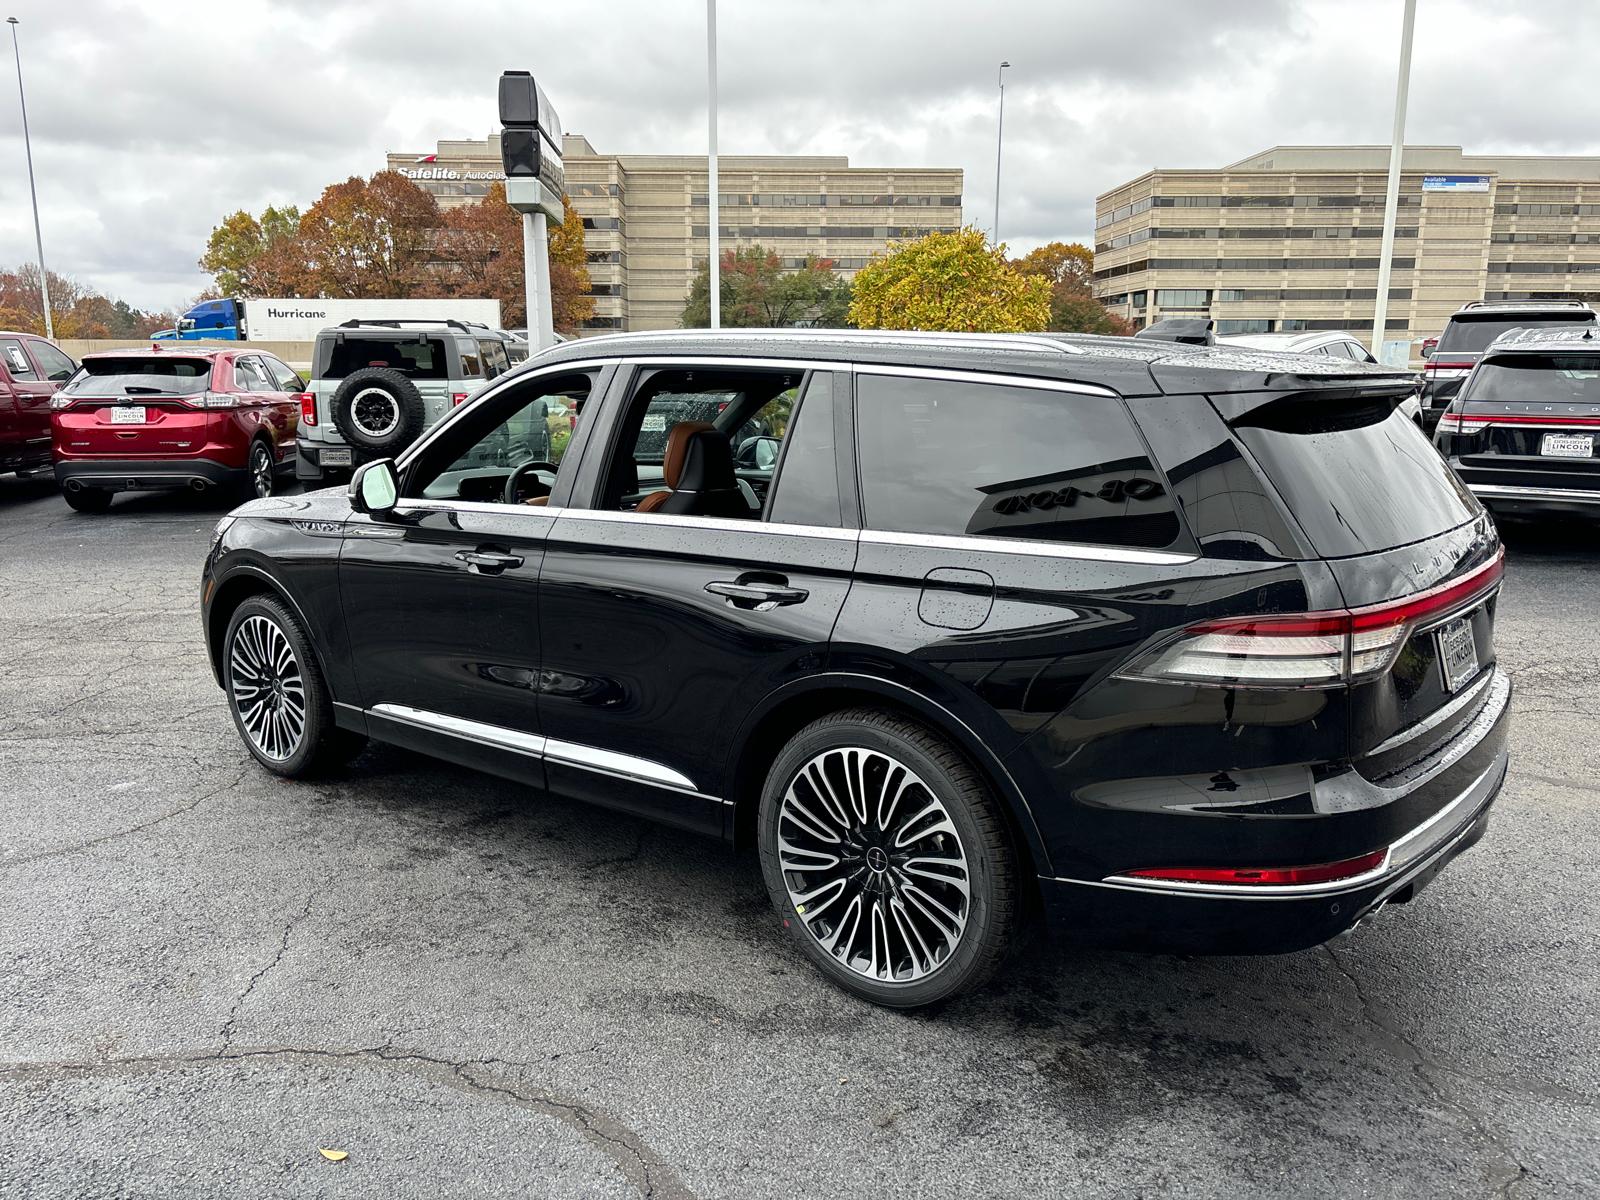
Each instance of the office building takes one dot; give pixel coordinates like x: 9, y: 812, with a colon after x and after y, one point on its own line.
x: 1289, y: 239
x: 646, y: 223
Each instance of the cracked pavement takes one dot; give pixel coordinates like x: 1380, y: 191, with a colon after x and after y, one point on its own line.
x: 207, y: 973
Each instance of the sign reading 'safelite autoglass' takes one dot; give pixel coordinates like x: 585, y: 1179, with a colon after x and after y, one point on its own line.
x: 1455, y: 183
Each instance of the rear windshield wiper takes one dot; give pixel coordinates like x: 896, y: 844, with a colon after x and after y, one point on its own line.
x: 134, y: 389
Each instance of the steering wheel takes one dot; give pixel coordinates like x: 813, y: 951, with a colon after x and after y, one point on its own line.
x: 514, y: 480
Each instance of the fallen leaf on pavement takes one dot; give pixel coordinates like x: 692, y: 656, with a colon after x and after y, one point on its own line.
x: 333, y: 1155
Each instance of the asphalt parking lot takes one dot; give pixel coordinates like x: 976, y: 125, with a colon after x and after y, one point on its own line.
x: 207, y: 973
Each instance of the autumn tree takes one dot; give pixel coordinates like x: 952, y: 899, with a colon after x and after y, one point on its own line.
x: 265, y: 257
x: 1069, y: 269
x: 76, y: 310
x: 757, y: 293
x: 951, y: 281
x: 370, y: 238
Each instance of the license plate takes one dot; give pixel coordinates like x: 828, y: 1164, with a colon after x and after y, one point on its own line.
x: 1567, y: 445
x: 1458, y: 653
x: 128, y: 414
x: 336, y: 456
x: 653, y: 422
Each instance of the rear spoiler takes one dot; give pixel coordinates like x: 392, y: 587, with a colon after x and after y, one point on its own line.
x: 1313, y: 410
x: 1212, y: 374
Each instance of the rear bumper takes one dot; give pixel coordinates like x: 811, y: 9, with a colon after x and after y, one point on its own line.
x: 1519, y: 500
x: 136, y: 475
x: 1174, y: 918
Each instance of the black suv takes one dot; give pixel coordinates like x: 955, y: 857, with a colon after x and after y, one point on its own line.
x: 1522, y: 434
x: 1185, y: 649
x: 1468, y: 333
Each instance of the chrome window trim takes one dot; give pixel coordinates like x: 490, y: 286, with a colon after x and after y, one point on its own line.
x: 990, y: 377
x: 719, y: 524
x: 1082, y: 553
x: 904, y: 339
x: 421, y: 504
x: 591, y: 758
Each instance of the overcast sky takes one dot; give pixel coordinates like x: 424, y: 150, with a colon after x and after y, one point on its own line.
x: 151, y: 122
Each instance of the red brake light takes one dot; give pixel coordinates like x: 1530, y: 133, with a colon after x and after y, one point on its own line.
x: 1346, y: 868
x: 1305, y: 650
x: 457, y: 398
x: 308, y: 408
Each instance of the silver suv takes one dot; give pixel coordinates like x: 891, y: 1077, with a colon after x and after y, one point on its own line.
x: 377, y: 385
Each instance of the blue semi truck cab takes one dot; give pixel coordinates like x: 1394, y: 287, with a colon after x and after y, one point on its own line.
x: 212, y: 320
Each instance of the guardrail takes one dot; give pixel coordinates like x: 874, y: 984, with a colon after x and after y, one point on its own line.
x: 296, y: 354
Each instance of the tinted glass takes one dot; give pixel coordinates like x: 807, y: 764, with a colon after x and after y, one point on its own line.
x: 248, y: 376
x: 806, y: 491
x: 989, y: 460
x: 285, y: 376
x: 416, y: 360
x: 56, y: 365
x: 1537, y: 377
x: 17, y: 361
x: 1358, y: 490
x: 141, y: 377
x: 1472, y: 335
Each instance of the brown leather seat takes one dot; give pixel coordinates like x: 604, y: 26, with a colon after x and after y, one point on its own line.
x: 672, y: 462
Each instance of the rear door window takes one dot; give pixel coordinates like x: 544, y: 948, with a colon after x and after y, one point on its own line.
x: 990, y: 460
x: 17, y: 360
x: 1472, y: 335
x: 425, y: 359
x: 1371, y: 484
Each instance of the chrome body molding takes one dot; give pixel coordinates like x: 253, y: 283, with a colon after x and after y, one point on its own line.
x: 727, y: 524
x: 1085, y: 553
x: 1026, y: 381
x: 1405, y: 858
x: 1506, y: 491
x: 591, y: 758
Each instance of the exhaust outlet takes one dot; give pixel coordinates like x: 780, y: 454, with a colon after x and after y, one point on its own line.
x: 198, y: 485
x: 74, y: 486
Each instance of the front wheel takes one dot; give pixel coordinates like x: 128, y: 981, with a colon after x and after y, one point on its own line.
x: 276, y: 693
x: 888, y: 859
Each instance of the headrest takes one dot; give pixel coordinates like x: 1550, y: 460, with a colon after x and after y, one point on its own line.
x: 707, y: 462
x: 677, y: 443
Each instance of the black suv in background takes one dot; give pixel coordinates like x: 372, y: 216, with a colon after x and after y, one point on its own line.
x: 1468, y: 333
x: 1523, y: 432
x: 1184, y: 648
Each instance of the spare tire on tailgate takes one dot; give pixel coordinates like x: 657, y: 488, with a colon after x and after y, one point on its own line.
x: 379, y: 410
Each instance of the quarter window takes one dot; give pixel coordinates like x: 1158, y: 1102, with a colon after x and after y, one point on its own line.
x: 989, y: 460
x: 57, y: 366
x: 806, y: 491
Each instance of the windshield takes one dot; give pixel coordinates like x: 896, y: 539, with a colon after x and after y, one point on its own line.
x: 141, y: 377
x: 1472, y: 335
x: 1546, y: 378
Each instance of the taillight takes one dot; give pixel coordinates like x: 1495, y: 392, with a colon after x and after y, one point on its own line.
x: 1306, y: 650
x: 458, y: 397
x: 1347, y: 868
x: 1453, y: 422
x: 62, y: 400
x: 218, y: 400
x: 308, y: 406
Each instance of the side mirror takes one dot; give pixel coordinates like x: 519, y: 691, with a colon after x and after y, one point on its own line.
x: 374, y: 488
x: 766, y: 452
x: 1429, y: 346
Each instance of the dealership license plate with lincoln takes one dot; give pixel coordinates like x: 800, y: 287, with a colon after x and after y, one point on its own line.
x: 1567, y: 445
x: 1458, y: 653
x: 128, y: 414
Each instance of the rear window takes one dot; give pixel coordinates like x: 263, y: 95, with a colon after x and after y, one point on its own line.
x: 412, y: 358
x: 141, y: 377
x: 990, y: 460
x: 1363, y: 487
x: 1472, y: 335
x: 1571, y: 379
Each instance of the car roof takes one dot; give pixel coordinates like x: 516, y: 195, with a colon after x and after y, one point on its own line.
x: 1520, y: 308
x: 1128, y: 366
x: 1543, y: 341
x: 157, y: 352
x: 1271, y: 341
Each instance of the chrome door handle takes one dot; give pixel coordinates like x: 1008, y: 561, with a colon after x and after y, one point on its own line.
x: 487, y: 560
x: 757, y: 596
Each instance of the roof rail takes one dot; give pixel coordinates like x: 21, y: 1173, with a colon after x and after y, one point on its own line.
x: 1037, y: 341
x: 1526, y: 304
x: 396, y: 322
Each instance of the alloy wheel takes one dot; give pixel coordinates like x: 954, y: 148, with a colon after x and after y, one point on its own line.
x: 873, y: 865
x: 268, y: 688
x: 261, y: 470
x: 375, y: 412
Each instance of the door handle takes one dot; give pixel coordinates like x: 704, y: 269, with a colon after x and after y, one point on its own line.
x: 487, y: 562
x: 757, y: 596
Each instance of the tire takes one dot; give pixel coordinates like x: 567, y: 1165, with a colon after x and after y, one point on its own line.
x: 261, y: 476
x: 379, y: 411
x: 87, y: 500
x: 276, y: 693
x: 873, y: 923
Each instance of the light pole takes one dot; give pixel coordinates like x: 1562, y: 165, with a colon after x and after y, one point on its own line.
x: 999, y: 135
x: 1391, y: 202
x: 38, y: 236
x: 713, y: 200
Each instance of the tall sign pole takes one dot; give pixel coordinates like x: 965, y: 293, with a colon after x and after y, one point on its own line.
x: 1391, y: 202
x: 530, y: 151
x: 713, y: 195
x: 27, y: 145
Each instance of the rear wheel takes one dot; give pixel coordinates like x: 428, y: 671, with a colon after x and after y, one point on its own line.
x: 888, y: 859
x: 87, y: 500
x: 262, y: 478
x: 277, y: 695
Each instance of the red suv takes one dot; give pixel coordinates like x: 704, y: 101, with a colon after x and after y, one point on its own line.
x: 31, y: 370
x: 136, y: 420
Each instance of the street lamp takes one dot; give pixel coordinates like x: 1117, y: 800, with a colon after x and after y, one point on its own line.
x: 1391, y: 201
x: 714, y: 263
x: 999, y: 134
x: 44, y: 286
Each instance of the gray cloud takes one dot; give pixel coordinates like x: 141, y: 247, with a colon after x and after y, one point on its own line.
x: 152, y: 123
